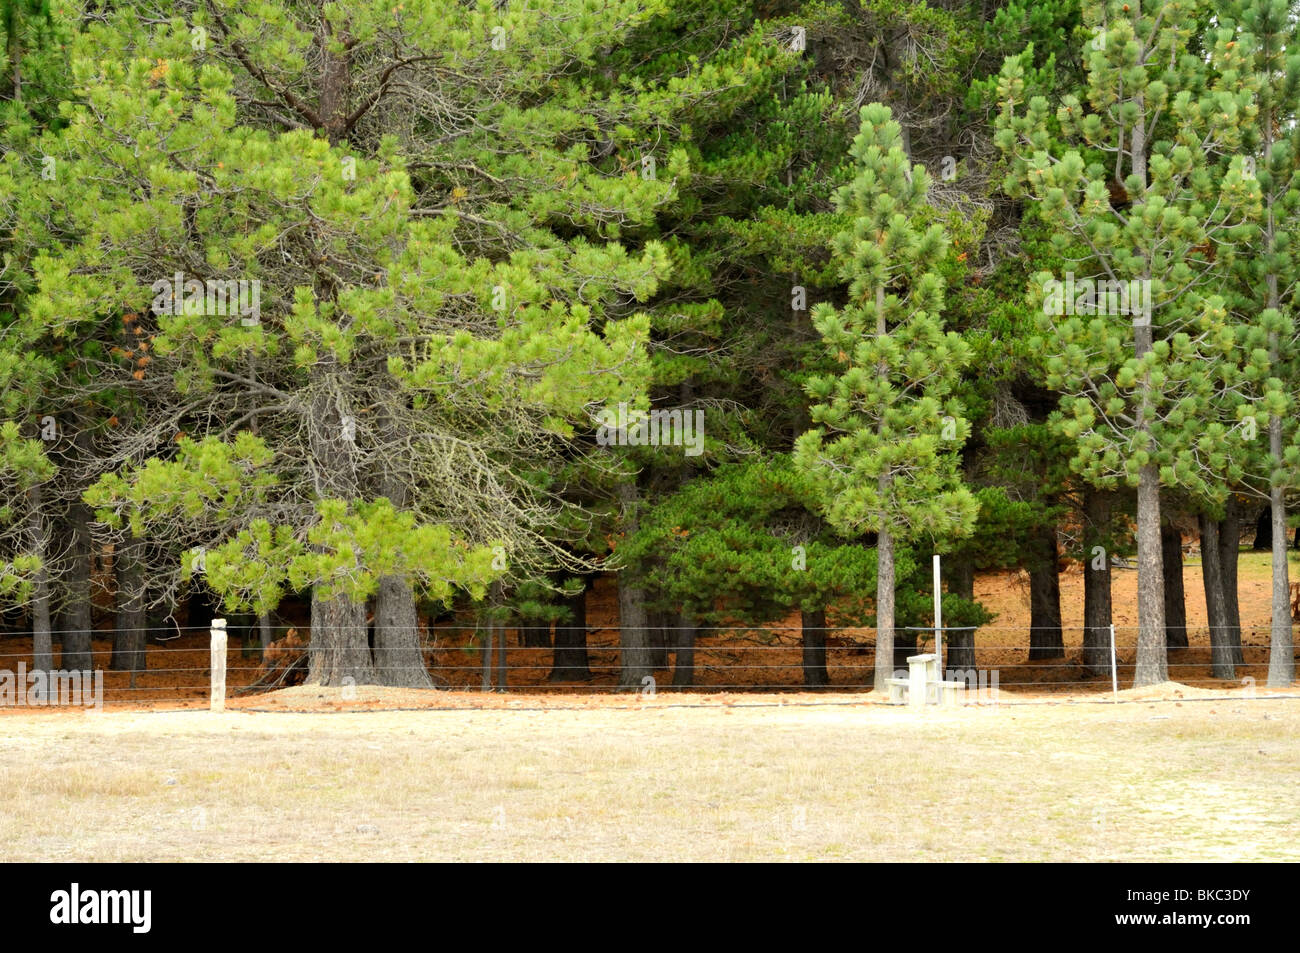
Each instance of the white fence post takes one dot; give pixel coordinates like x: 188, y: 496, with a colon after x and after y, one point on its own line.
x: 1114, y: 677
x: 218, y: 698
x: 938, y: 615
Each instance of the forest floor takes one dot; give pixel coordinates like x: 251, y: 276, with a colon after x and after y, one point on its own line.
x: 761, y: 659
x: 827, y: 777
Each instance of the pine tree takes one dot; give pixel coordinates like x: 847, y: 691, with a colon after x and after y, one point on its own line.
x: 25, y: 540
x: 751, y: 221
x: 16, y: 18
x: 1133, y: 178
x: 883, y: 453
x: 394, y: 405
x: 1266, y: 37
x: 33, y: 372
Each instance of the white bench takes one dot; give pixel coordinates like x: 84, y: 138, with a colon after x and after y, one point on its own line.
x: 924, y: 685
x: 898, y: 690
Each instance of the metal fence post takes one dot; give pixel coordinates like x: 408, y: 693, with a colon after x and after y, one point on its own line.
x: 1114, y: 676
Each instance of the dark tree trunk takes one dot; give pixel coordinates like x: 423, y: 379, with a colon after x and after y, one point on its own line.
x: 635, y: 655
x: 485, y: 655
x: 201, y: 606
x: 959, y: 645
x: 76, y: 621
x: 1216, y: 611
x: 535, y: 635
x: 503, y: 663
x: 1229, y: 552
x: 244, y: 626
x: 662, y: 624
x: 265, y: 630
x: 1096, y: 585
x: 904, y: 648
x: 1046, y: 640
x: 399, y: 657
x: 684, y: 652
x: 1264, y: 532
x: 813, y: 628
x: 16, y: 57
x: 1171, y: 564
x: 131, y: 628
x: 569, y: 662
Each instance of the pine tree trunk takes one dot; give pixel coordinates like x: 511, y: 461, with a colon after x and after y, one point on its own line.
x: 1152, y: 666
x: 661, y: 623
x: 1216, y: 611
x: 1281, y: 644
x: 535, y: 635
x: 130, y: 632
x: 340, y: 644
x: 42, y: 639
x: 684, y: 652
x: 1097, y: 618
x: 1281, y: 639
x: 264, y: 628
x: 884, y: 610
x: 503, y: 659
x: 399, y: 657
x: 885, y: 570
x: 1264, y: 524
x: 16, y: 58
x: 1229, y: 553
x: 76, y: 621
x: 1096, y: 585
x: 813, y: 630
x: 1046, y: 640
x: 959, y: 646
x: 569, y: 661
x: 1152, y: 657
x: 904, y: 648
x: 243, y: 625
x: 398, y: 654
x: 1171, y: 564
x: 201, y: 605
x: 635, y: 663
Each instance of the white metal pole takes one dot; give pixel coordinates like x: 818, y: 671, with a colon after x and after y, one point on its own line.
x: 938, y: 617
x: 217, y: 701
x: 1114, y: 677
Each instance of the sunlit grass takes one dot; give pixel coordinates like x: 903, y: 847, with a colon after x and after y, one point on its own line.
x: 1204, y: 780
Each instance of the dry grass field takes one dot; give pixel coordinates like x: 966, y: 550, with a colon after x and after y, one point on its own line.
x: 733, y: 778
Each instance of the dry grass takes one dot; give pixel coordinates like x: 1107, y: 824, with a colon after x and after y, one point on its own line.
x: 1145, y: 781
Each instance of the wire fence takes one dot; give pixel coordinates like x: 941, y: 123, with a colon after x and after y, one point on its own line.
x: 176, y: 663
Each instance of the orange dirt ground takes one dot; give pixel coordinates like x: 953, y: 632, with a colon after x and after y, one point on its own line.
x: 727, y: 661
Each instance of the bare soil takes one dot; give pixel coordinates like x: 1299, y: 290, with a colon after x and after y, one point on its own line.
x: 767, y: 659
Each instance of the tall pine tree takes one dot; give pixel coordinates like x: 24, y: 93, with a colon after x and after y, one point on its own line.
x: 883, y: 454
x: 1134, y: 177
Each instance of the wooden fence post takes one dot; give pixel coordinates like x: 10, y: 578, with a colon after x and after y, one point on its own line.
x: 217, y: 701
